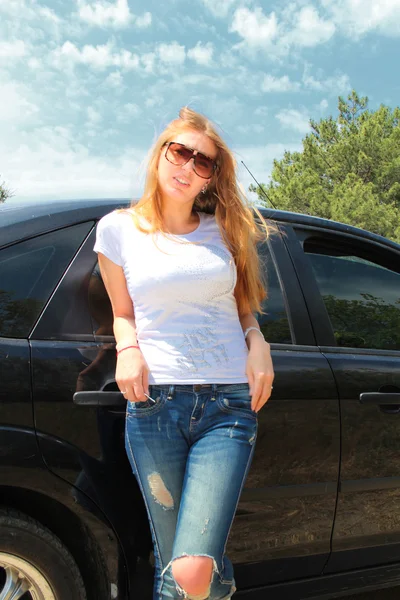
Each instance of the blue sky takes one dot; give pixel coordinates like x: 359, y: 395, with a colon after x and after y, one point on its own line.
x: 87, y: 86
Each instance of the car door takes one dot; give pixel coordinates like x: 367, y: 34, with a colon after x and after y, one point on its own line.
x: 29, y: 272
x: 284, y: 521
x: 285, y: 516
x: 355, y: 282
x: 73, y: 351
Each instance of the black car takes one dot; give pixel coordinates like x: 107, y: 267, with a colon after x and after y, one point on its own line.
x: 319, y: 516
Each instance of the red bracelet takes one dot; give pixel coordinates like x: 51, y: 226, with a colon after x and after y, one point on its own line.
x: 126, y: 348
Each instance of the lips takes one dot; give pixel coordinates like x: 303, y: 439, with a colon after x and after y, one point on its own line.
x: 182, y: 182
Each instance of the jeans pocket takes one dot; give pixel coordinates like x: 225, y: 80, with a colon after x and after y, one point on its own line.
x: 236, y: 401
x: 148, y: 407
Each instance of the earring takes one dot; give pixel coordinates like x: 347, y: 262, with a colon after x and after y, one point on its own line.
x: 204, y: 189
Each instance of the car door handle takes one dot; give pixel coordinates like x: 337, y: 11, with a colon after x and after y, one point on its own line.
x: 388, y: 402
x: 97, y: 398
x: 380, y: 398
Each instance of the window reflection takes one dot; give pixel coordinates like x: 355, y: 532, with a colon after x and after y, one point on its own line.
x: 99, y: 305
x: 29, y: 272
x: 274, y: 322
x: 362, y: 299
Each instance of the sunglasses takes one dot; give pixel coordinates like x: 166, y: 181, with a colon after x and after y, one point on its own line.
x: 179, y: 154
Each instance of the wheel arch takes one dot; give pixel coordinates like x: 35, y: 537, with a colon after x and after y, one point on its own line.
x: 70, y: 529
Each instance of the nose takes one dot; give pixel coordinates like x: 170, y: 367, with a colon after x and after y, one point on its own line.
x: 189, y: 166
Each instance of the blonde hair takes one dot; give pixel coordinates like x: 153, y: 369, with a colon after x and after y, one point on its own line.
x: 223, y: 197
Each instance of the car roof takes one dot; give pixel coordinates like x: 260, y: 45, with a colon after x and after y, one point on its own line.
x: 21, y: 220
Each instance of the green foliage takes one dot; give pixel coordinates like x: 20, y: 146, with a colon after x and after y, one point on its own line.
x: 367, y: 323
x: 348, y: 170
x: 4, y: 193
x: 17, y: 316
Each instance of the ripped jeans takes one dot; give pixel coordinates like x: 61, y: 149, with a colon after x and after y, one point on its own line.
x: 190, y: 452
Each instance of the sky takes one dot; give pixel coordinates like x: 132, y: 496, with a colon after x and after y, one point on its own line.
x: 87, y: 86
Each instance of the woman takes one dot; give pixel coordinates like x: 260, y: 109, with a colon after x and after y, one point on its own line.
x: 182, y: 272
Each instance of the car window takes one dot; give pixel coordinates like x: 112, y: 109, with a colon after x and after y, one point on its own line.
x: 29, y: 272
x: 274, y: 323
x: 99, y: 305
x: 361, y: 295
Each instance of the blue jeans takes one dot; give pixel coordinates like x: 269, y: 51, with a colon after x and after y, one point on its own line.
x: 190, y: 452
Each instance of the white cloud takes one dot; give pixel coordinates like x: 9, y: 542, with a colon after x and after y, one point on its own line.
x: 40, y: 158
x: 358, y: 17
x: 323, y: 105
x: 126, y: 60
x: 219, y: 8
x: 111, y: 14
x: 114, y: 80
x: 144, y: 21
x: 261, y: 111
x: 310, y: 29
x: 227, y: 111
x: 93, y: 115
x: 55, y: 166
x: 253, y: 128
x: 201, y: 79
x: 104, y: 14
x: 99, y: 57
x: 335, y: 84
x: 202, y: 55
x: 202, y: 85
x: 154, y: 101
x: 16, y: 105
x: 148, y: 61
x: 256, y: 28
x: 300, y: 24
x: 171, y: 54
x: 278, y: 84
x: 128, y: 113
x: 228, y: 59
x: 14, y: 49
x: 23, y: 9
x: 34, y: 63
x: 29, y: 21
x: 293, y: 27
x: 196, y: 23
x: 48, y: 13
x: 296, y: 120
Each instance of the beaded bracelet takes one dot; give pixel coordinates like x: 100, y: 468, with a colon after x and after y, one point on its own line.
x: 126, y: 348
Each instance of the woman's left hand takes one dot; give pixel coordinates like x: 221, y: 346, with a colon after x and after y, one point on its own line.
x: 260, y: 374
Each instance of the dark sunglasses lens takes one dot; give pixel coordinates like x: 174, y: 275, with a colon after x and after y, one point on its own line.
x: 203, y: 165
x: 178, y: 154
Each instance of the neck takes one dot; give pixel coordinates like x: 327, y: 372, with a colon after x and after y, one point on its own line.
x: 179, y: 219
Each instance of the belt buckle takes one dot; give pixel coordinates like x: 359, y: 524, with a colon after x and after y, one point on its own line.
x: 199, y: 386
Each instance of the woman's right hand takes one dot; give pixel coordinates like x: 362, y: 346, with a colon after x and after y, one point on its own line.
x: 132, y: 372
x: 132, y: 375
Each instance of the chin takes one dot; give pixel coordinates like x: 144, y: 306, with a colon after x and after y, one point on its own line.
x: 171, y: 190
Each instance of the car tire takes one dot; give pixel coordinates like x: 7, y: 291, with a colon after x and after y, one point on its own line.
x: 33, y: 559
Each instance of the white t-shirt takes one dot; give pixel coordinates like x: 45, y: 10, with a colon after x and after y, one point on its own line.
x: 186, y: 316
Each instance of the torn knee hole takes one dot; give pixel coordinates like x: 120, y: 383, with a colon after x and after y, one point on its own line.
x: 193, y: 575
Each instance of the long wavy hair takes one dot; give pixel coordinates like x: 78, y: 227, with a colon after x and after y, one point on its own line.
x: 223, y: 198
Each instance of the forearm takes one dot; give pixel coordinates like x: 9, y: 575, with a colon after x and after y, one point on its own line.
x: 253, y: 340
x: 125, y: 331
